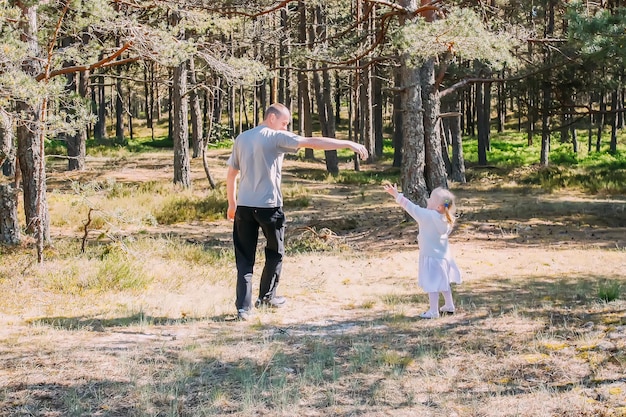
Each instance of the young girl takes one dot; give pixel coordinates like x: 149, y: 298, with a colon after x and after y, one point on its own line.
x: 437, y: 268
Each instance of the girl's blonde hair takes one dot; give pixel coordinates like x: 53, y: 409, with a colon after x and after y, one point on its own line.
x: 445, y: 198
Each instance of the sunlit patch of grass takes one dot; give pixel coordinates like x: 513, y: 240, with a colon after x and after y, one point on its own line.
x: 364, y: 177
x: 394, y: 299
x: 186, y: 208
x: 113, y: 205
x: 554, y: 346
x: 586, y: 347
x: 609, y: 291
x: 296, y: 195
x: 115, y: 271
x: 398, y: 362
x: 535, y: 357
x: 593, y: 172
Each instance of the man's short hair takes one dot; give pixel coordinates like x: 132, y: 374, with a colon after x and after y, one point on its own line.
x: 278, y: 109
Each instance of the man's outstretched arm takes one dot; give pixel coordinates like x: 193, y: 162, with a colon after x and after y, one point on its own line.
x: 329, y: 144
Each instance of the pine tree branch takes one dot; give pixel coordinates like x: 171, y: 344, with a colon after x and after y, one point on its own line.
x: 103, y: 63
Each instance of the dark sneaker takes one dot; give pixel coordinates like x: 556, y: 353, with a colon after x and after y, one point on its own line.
x: 244, y: 315
x: 274, y: 302
x: 447, y: 310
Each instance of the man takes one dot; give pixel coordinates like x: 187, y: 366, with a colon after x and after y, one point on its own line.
x: 257, y: 159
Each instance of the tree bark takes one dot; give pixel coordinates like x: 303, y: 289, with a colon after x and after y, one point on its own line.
x: 377, y: 109
x: 457, y: 160
x: 119, y: 111
x: 615, y: 107
x: 326, y: 124
x: 545, y: 123
x: 9, y: 226
x: 413, y: 157
x: 180, y: 127
x: 435, y: 171
x: 196, y: 113
x: 77, y: 142
x: 30, y: 143
x: 33, y: 170
x: 304, y: 100
x: 366, y: 112
x: 99, y: 102
x: 7, y: 144
x: 483, y: 128
x: 397, y: 123
x: 332, y: 161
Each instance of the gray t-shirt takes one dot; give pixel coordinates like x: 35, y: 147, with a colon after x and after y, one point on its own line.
x: 258, y: 156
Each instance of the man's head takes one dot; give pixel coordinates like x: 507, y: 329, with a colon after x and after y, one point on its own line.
x: 277, y: 117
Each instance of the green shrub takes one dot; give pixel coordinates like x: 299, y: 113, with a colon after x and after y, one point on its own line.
x: 609, y: 291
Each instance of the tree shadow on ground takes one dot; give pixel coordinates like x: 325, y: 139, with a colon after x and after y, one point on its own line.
x: 351, y: 359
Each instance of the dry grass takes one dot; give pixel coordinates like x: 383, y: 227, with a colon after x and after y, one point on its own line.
x: 142, y: 324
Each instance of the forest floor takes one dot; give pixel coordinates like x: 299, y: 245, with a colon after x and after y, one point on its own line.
x: 530, y: 337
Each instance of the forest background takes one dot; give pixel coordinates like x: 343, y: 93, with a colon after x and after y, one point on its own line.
x: 115, y: 123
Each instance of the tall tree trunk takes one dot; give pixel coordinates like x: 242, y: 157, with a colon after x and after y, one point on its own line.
x: 600, y: 121
x: 332, y: 161
x: 196, y: 112
x: 501, y: 106
x: 590, y: 126
x: 99, y: 101
x: 148, y: 93
x: 413, y: 149
x: 9, y: 226
x: 284, y: 49
x: 180, y: 127
x: 209, y: 116
x: 487, y: 114
x: 337, y: 99
x: 119, y: 110
x: 377, y: 95
x: 232, y: 100
x: 397, y: 122
x: 77, y: 141
x: 457, y: 161
x: 304, y: 111
x: 367, y: 122
x: 366, y: 112
x: 29, y: 137
x: 327, y: 127
x: 545, y: 123
x: 574, y: 140
x: 413, y: 155
x: 7, y: 144
x: 324, y: 101
x: 532, y: 115
x: 9, y: 223
x: 354, y: 118
x: 483, y: 125
x: 615, y: 107
x: 304, y: 100
x: 30, y: 143
x: 130, y: 115
x: 435, y: 171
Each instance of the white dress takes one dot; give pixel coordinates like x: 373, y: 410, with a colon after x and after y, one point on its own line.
x: 436, y: 269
